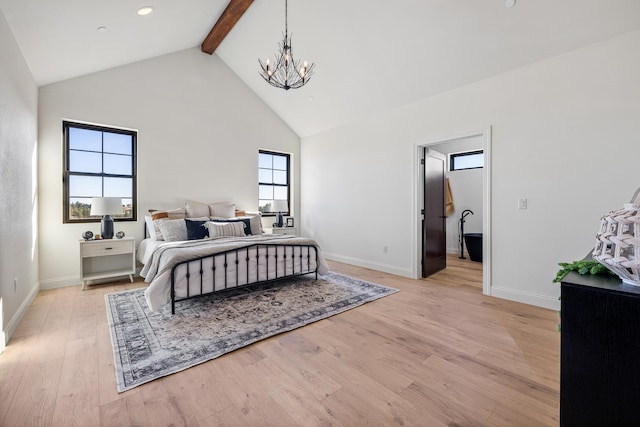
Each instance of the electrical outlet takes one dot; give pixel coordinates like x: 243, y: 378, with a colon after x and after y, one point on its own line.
x: 522, y: 203
x: 385, y: 249
x: 15, y: 284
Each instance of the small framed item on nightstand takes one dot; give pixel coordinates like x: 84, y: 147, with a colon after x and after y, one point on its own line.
x: 289, y: 222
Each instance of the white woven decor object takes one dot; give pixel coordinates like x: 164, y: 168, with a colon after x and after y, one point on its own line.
x: 618, y: 241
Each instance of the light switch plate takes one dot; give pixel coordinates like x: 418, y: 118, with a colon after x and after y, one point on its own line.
x: 522, y: 203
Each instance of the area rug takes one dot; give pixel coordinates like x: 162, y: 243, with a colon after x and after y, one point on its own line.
x: 148, y: 345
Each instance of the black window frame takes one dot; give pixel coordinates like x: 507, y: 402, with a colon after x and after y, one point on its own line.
x: 287, y: 156
x: 453, y: 156
x: 66, y: 125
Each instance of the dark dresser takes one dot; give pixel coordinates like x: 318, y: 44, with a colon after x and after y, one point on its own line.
x: 599, y: 352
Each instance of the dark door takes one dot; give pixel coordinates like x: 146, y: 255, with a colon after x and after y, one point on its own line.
x: 434, y: 233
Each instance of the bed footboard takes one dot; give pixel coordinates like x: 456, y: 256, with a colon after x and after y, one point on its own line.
x: 236, y: 268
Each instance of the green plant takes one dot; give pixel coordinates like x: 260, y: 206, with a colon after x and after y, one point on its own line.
x: 584, y: 266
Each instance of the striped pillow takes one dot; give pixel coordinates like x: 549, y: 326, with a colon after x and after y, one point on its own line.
x: 223, y: 229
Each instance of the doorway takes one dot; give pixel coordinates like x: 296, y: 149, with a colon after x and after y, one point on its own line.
x: 484, y: 136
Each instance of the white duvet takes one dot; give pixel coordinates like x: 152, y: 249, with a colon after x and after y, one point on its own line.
x: 161, y: 258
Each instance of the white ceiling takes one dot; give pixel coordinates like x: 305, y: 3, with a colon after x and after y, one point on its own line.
x: 370, y: 55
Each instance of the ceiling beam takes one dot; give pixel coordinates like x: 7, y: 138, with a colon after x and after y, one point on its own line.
x: 225, y: 23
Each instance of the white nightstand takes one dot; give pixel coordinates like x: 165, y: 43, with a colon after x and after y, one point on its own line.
x: 101, y: 259
x: 290, y: 231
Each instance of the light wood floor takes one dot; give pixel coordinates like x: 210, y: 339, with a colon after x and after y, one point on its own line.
x: 436, y: 353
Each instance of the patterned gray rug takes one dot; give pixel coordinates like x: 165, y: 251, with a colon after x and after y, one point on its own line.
x: 149, y: 345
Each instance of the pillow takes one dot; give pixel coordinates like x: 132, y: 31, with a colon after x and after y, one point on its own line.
x: 196, y: 229
x: 151, y: 228
x: 222, y: 229
x: 172, y: 230
x: 159, y: 215
x: 153, y: 215
x: 256, y: 222
x: 177, y: 213
x: 196, y: 209
x: 247, y: 223
x: 222, y: 209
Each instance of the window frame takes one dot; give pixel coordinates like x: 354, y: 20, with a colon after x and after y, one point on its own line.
x: 287, y: 156
x: 453, y: 156
x: 66, y: 173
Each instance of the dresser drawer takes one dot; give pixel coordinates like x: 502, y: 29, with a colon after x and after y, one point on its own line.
x: 106, y: 248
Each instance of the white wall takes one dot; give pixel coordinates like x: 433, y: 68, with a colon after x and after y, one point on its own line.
x: 19, y: 192
x: 565, y: 135
x: 199, y: 131
x: 466, y: 189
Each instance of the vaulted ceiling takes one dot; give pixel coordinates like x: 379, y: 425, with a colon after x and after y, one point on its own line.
x: 370, y: 56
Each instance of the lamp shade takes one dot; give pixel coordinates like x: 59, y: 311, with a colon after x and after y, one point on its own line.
x: 106, y: 206
x: 279, y: 206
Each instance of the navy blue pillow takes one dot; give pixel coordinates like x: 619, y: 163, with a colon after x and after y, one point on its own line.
x: 247, y: 223
x: 196, y: 229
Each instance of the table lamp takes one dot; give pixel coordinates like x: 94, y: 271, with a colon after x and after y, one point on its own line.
x: 106, y: 206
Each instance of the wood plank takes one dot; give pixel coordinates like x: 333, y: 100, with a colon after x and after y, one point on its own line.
x: 292, y: 397
x: 249, y: 395
x: 126, y: 411
x: 78, y: 402
x: 230, y: 16
x: 436, y: 353
x: 372, y: 396
x: 317, y: 383
x: 35, y: 398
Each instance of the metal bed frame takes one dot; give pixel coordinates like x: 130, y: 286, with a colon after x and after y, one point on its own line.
x: 241, y: 258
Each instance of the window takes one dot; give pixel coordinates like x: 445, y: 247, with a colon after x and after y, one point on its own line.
x: 466, y: 160
x: 98, y: 162
x: 273, y: 182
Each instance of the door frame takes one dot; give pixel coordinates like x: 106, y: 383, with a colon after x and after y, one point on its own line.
x: 485, y: 134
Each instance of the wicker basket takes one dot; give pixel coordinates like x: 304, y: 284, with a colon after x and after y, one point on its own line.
x: 618, y: 241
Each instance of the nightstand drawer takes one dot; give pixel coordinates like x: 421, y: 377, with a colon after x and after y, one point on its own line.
x: 106, y: 248
x: 290, y: 231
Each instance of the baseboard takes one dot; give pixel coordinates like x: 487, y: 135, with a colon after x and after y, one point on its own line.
x: 62, y: 282
x: 544, y: 301
x: 15, y: 320
x: 391, y: 269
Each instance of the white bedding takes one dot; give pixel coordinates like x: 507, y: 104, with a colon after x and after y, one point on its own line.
x: 146, y: 248
x: 161, y: 256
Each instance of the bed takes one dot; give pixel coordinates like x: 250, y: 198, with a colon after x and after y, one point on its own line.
x: 179, y: 269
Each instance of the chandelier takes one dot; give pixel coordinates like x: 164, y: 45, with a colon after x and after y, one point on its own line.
x: 286, y: 73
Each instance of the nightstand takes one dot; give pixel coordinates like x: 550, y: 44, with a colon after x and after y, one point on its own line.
x: 102, y: 259
x: 290, y: 231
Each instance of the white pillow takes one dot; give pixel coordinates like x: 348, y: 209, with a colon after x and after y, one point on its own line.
x: 172, y: 230
x: 154, y: 215
x: 256, y: 222
x: 222, y: 229
x: 196, y: 209
x: 151, y: 228
x: 222, y: 209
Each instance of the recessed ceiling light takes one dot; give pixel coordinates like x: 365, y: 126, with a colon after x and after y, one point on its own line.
x: 509, y: 3
x: 311, y: 99
x: 101, y: 29
x: 144, y: 10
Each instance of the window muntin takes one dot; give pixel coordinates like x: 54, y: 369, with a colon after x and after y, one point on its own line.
x: 273, y: 180
x: 98, y: 162
x: 466, y: 160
